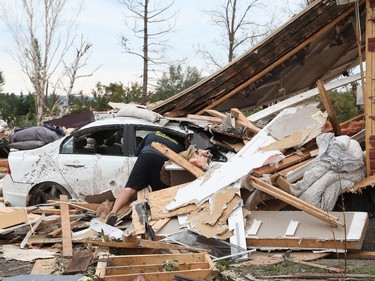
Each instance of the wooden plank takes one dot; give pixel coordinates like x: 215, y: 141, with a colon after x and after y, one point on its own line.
x: 159, y: 224
x: 44, y: 266
x: 79, y: 263
x: 287, y: 162
x: 210, y: 119
x: 294, y: 201
x: 4, y: 163
x: 146, y: 268
x: 158, y: 200
x: 191, y: 268
x: 67, y: 250
x: 50, y: 211
x: 200, y: 274
x: 161, y: 245
x: 128, y: 245
x: 158, y: 258
x: 283, y: 184
x: 178, y: 159
x: 329, y: 108
x: 12, y: 216
x: 242, y: 120
x: 369, y: 95
x: 101, y: 266
x: 58, y: 230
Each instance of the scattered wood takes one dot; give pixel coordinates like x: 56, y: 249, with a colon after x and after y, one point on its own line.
x: 194, y: 265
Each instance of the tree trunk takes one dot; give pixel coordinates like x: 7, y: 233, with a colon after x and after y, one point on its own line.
x: 145, y: 55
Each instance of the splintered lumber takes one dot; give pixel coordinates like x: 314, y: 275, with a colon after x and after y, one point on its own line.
x: 101, y: 266
x: 328, y: 106
x: 178, y: 159
x: 242, y: 120
x: 294, y: 201
x: 65, y: 225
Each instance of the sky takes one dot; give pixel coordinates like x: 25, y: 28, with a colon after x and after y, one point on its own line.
x: 102, y: 22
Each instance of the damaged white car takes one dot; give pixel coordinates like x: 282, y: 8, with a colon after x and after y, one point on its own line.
x: 97, y: 157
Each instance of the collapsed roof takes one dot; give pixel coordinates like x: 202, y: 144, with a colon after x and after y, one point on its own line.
x: 319, y: 43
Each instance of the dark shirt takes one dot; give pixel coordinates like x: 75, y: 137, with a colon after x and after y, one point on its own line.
x: 145, y: 145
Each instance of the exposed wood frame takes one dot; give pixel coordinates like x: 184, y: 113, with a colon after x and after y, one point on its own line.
x: 278, y: 62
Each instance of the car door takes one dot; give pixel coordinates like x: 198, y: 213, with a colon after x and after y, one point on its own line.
x: 91, y: 161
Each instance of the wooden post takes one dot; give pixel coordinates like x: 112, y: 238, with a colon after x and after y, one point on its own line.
x: 370, y: 85
x: 65, y: 225
x: 328, y: 106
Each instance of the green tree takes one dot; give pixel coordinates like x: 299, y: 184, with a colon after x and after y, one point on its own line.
x: 2, y: 81
x: 344, y: 104
x: 17, y: 111
x: 80, y: 103
x: 174, y: 81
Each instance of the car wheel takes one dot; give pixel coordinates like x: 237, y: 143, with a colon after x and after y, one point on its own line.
x: 43, y: 192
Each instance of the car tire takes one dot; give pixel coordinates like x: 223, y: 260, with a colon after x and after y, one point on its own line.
x: 43, y: 192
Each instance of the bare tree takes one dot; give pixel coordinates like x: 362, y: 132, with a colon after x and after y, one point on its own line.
x: 151, y: 23
x: 43, y: 37
x: 239, y: 29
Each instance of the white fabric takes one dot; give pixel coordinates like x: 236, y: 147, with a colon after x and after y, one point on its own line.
x: 339, y: 166
x: 139, y: 112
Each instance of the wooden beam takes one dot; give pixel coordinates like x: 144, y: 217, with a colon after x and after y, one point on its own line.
x: 178, y: 159
x: 65, y: 225
x: 294, y: 201
x: 287, y: 162
x: 329, y: 108
x: 369, y: 95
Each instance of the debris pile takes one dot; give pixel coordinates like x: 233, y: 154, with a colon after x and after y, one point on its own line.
x: 299, y: 167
